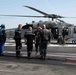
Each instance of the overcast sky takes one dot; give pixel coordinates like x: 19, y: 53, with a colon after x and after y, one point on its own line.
x: 15, y: 7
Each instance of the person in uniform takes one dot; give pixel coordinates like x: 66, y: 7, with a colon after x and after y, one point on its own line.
x: 29, y: 38
x: 2, y: 38
x: 64, y: 34
x: 45, y: 37
x: 37, y: 40
x: 17, y: 39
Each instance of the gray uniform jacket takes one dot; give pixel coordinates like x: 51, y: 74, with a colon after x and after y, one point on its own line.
x: 45, y: 35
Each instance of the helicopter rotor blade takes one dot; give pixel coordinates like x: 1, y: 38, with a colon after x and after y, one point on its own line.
x: 53, y: 16
x: 69, y: 17
x: 37, y: 10
x: 24, y: 16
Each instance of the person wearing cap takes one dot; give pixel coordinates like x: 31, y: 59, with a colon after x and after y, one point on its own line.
x: 2, y: 38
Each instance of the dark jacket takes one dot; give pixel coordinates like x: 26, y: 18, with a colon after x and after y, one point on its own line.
x: 3, y: 36
x: 17, y: 34
x: 30, y: 36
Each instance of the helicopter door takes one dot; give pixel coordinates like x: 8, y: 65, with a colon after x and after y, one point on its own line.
x: 55, y: 33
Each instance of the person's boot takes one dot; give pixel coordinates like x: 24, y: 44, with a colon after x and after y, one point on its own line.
x: 18, y: 54
x: 29, y: 54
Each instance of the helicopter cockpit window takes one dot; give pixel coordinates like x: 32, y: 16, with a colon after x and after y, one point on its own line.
x: 74, y: 30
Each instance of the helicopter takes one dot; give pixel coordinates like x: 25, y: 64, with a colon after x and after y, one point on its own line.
x: 56, y: 25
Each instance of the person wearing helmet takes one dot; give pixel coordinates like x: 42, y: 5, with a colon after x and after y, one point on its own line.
x: 2, y: 38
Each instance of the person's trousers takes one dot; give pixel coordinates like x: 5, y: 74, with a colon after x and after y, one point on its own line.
x: 43, y: 49
x: 1, y: 48
x: 37, y: 47
x: 18, y: 47
x: 18, y: 44
x: 29, y: 49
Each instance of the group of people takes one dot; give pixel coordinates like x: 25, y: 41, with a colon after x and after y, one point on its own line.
x: 41, y: 37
